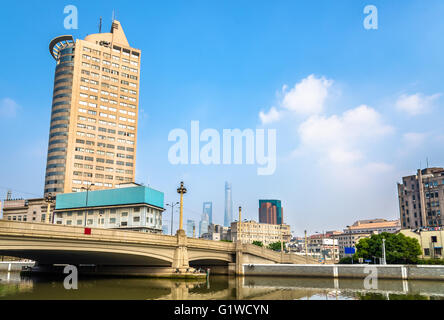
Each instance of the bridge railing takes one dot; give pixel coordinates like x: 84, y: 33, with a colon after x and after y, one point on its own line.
x: 43, y: 230
x: 211, y: 244
x: 275, y: 256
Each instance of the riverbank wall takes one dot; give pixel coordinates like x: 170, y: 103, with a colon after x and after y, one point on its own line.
x: 357, y: 271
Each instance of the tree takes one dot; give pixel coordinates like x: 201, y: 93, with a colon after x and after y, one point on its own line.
x: 276, y: 246
x: 258, y: 243
x: 398, y: 248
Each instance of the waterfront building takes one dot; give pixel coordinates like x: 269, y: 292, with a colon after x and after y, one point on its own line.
x: 421, y: 199
x: 93, y: 126
x: 253, y: 231
x: 271, y: 211
x: 364, y: 229
x: 431, y: 240
x: 228, y: 216
x: 129, y: 207
x: 320, y: 246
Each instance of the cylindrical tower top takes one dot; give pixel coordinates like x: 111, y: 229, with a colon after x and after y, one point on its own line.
x: 58, y: 44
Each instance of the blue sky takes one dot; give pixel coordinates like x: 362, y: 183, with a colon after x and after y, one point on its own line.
x: 354, y: 109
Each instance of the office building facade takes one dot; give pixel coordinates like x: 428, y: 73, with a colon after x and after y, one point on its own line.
x: 249, y: 231
x: 271, y: 212
x: 93, y: 127
x: 421, y: 199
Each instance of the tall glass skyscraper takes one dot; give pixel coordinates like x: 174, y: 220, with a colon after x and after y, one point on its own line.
x: 208, y: 209
x: 206, y: 219
x: 191, y: 225
x: 228, y: 218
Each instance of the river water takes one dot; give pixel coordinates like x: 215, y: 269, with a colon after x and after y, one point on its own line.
x: 15, y: 286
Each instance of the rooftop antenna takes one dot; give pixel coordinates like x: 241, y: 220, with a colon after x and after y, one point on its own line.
x: 100, y: 25
x: 113, y: 16
x: 427, y: 160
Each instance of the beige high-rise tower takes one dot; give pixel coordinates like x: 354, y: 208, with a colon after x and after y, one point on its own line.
x: 93, y: 129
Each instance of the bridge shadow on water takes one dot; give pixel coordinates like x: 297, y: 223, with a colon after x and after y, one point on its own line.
x: 15, y: 286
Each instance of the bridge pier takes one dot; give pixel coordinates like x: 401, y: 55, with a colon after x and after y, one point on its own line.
x: 239, y: 259
x: 180, y: 260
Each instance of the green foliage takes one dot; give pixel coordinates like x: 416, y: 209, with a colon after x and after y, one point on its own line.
x: 276, y: 246
x: 259, y: 243
x: 226, y: 240
x: 431, y: 261
x: 348, y: 260
x: 399, y: 249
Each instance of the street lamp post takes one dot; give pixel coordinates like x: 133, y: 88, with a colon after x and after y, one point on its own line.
x: 240, y: 224
x: 86, y: 204
x: 181, y: 190
x: 49, y: 199
x: 172, y: 205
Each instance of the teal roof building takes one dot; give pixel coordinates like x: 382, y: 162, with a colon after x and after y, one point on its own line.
x: 111, y: 197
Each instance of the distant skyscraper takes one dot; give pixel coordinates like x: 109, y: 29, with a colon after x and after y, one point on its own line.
x: 203, y: 225
x: 165, y: 229
x: 93, y: 127
x: 191, y: 225
x: 271, y: 212
x: 208, y: 209
x: 228, y: 218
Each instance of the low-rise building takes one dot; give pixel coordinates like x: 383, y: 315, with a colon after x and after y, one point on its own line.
x: 364, y: 229
x: 129, y: 207
x: 26, y: 210
x: 253, y: 231
x: 323, y: 246
x: 217, y: 232
x: 431, y: 240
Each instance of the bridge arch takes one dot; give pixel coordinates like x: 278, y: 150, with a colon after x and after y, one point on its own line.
x: 67, y: 254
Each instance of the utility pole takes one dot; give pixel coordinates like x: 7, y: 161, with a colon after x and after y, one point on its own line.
x: 181, y: 190
x: 172, y: 205
x: 86, y: 204
x: 282, y: 243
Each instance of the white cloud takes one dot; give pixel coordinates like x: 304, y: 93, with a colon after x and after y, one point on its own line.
x: 272, y: 116
x: 308, y: 96
x: 8, y: 108
x: 342, y: 138
x: 415, y: 104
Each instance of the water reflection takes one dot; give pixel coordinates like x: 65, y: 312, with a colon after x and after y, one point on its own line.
x: 14, y: 286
